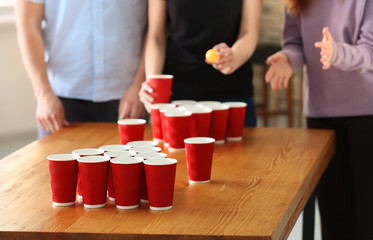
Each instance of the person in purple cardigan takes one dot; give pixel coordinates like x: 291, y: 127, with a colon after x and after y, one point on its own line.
x: 333, y: 39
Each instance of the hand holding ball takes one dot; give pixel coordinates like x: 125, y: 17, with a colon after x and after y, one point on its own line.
x: 212, y: 56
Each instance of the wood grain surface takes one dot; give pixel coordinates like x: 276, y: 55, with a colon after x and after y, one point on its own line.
x: 259, y: 186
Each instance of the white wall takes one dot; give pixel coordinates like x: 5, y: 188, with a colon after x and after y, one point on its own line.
x: 17, y: 102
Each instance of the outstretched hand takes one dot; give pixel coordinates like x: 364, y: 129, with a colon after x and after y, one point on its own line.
x: 327, y: 48
x: 279, y: 72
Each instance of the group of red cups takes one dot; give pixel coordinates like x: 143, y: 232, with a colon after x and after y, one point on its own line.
x: 126, y: 174
x: 135, y: 170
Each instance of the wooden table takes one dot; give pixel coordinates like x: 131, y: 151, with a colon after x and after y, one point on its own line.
x: 259, y: 188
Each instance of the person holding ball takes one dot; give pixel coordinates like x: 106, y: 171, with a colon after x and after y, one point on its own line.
x: 179, y: 34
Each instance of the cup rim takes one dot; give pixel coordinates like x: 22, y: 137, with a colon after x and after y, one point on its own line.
x: 142, y: 143
x: 197, y: 109
x: 160, y: 76
x: 118, y: 154
x: 88, y: 151
x: 184, y: 101
x: 178, y: 114
x: 160, y: 161
x: 146, y: 149
x: 199, y: 140
x: 220, y: 107
x: 62, y: 157
x: 114, y: 147
x: 147, y: 155
x: 131, y: 121
x: 162, y: 105
x: 214, y: 105
x: 93, y: 159
x: 209, y: 102
x: 235, y: 104
x: 127, y: 160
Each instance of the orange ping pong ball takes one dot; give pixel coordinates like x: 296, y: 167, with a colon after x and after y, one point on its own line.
x: 212, y: 56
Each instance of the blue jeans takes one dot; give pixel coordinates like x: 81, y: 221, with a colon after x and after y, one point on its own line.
x: 250, y: 116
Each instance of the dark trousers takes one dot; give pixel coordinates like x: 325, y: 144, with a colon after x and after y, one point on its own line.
x: 345, y: 192
x: 87, y: 111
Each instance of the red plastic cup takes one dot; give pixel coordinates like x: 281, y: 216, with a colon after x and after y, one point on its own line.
x: 219, y: 120
x: 145, y: 156
x: 236, y: 120
x: 177, y: 128
x: 156, y: 122
x: 93, y: 173
x: 199, y: 152
x: 160, y: 181
x: 127, y: 181
x: 84, y: 152
x: 161, y: 85
x: 131, y: 129
x: 63, y: 173
x: 200, y: 120
x: 110, y: 185
x: 114, y: 147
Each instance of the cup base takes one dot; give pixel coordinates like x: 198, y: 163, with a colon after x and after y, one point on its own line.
x: 127, y: 207
x: 176, y: 149
x: 63, y: 204
x: 219, y: 141
x: 160, y: 208
x: 234, y: 138
x: 94, y: 206
x: 144, y: 201
x: 198, y: 182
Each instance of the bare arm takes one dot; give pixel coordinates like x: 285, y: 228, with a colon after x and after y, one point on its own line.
x: 155, y: 47
x: 155, y: 50
x: 49, y: 112
x: 130, y: 105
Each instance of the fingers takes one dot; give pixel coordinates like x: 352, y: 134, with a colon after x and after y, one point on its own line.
x: 50, y: 113
x: 277, y: 79
x: 326, y: 33
x: 226, y: 60
x: 52, y: 123
x: 145, y: 94
x: 269, y: 75
x: 275, y: 58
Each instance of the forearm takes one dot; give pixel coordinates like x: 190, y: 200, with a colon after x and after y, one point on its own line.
x: 140, y: 74
x: 244, y: 48
x: 155, y: 55
x: 32, y: 47
x: 247, y: 40
x: 292, y: 42
x: 352, y: 58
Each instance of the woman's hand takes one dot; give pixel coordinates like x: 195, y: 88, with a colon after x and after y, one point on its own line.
x: 225, y: 64
x: 279, y: 72
x: 145, y: 95
x: 327, y: 48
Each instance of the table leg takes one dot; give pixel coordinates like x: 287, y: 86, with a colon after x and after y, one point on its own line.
x: 309, y: 218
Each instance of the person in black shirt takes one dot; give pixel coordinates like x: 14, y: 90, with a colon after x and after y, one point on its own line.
x: 179, y: 34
